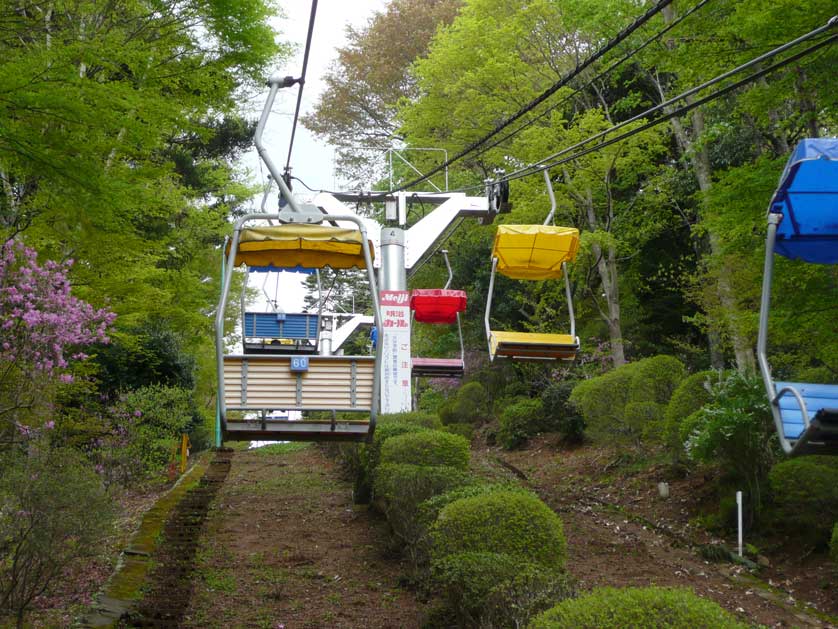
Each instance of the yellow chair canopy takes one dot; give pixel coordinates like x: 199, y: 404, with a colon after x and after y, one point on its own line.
x: 534, y: 252
x: 309, y: 246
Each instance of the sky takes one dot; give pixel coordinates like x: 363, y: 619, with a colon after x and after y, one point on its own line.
x: 312, y: 159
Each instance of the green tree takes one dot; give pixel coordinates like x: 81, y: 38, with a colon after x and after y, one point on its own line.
x: 356, y: 111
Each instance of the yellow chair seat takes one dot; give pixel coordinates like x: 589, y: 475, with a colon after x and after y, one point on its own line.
x: 534, y: 252
x: 533, y: 345
x: 308, y: 246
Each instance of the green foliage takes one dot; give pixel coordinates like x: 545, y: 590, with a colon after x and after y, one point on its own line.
x: 736, y: 430
x: 429, y: 510
x: 466, y: 431
x: 833, y: 544
x: 418, y: 418
x: 469, y: 405
x: 654, y: 379
x: 805, y: 493
x: 507, y: 522
x: 146, y: 428
x: 689, y: 397
x: 639, y: 608
x: 431, y: 400
x: 518, y: 421
x: 559, y: 414
x: 602, y: 400
x: 494, y: 590
x: 365, y: 457
x: 146, y: 355
x: 644, y: 418
x: 401, y: 488
x: 53, y: 511
x: 653, y: 382
x: 428, y: 447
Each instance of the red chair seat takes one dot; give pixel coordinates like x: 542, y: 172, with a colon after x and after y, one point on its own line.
x: 437, y: 305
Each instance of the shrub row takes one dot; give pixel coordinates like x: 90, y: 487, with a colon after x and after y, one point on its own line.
x: 639, y: 608
x: 495, y: 551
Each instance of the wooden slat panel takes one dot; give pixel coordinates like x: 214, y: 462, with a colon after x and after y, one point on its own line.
x: 271, y: 384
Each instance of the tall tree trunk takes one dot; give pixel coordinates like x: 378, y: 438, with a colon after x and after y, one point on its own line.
x: 606, y: 265
x: 700, y: 161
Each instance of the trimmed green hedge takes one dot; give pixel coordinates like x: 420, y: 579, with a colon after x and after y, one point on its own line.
x: 637, y: 608
x: 506, y: 522
x: 497, y: 590
x: 429, y: 510
x: 460, y: 428
x: 470, y: 405
x: 367, y: 455
x: 519, y: 421
x: 629, y: 400
x: 691, y: 395
x: 399, y: 491
x: 417, y: 418
x: 428, y: 447
x: 805, y: 492
x: 833, y: 544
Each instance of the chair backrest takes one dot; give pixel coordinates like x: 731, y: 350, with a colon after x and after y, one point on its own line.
x: 807, y: 199
x: 437, y: 305
x: 534, y: 252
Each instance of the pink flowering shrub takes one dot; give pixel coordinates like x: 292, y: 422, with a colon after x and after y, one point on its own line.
x: 42, y: 328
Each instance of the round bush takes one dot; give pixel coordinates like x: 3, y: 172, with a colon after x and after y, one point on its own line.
x: 519, y: 421
x: 601, y: 401
x: 654, y: 379
x: 469, y: 405
x: 429, y: 510
x: 368, y: 456
x: 498, y: 588
x: 507, y: 522
x: 419, y: 418
x: 428, y: 447
x: 833, y: 544
x: 691, y: 395
x: 805, y: 491
x: 636, y: 608
x: 399, y: 491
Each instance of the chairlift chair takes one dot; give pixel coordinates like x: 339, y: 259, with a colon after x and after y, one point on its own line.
x: 440, y: 306
x: 533, y: 252
x: 252, y: 386
x: 802, y: 225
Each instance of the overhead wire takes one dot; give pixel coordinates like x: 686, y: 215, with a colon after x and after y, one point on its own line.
x: 301, y: 81
x: 546, y: 162
x: 577, y: 70
x: 631, y: 53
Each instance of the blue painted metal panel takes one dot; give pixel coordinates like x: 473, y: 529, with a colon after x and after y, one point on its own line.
x: 269, y: 325
x: 807, y: 197
x: 816, y: 396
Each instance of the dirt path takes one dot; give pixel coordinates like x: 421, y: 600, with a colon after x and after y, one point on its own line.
x: 284, y: 547
x: 620, y: 533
